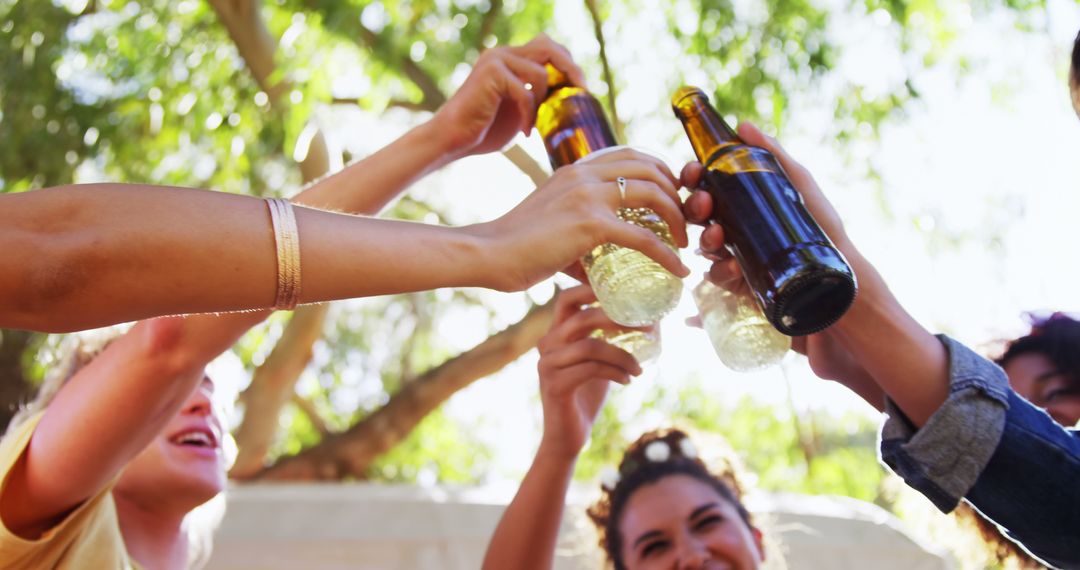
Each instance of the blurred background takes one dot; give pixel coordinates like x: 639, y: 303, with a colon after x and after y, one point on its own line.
x: 942, y: 131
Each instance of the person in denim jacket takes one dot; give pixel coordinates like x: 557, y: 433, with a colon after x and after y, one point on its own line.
x: 956, y: 430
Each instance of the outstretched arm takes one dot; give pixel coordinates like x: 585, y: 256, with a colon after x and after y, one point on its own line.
x: 575, y: 373
x: 877, y: 347
x: 85, y: 256
x: 111, y: 409
x: 956, y: 429
x: 88, y: 256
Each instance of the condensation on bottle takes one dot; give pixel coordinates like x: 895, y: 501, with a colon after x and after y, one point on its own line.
x: 633, y: 289
x: 800, y: 280
x: 740, y: 334
x: 644, y: 346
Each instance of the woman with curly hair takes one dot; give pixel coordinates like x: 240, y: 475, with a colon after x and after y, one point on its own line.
x: 663, y: 509
x: 1043, y: 367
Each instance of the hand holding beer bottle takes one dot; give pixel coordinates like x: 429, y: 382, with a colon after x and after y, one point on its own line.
x: 632, y: 289
x: 801, y: 281
x: 828, y: 357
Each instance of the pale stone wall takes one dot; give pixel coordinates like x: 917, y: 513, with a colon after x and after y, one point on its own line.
x: 367, y: 527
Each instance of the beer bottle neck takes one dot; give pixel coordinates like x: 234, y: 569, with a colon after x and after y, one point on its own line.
x: 707, y: 131
x: 556, y: 79
x: 571, y: 121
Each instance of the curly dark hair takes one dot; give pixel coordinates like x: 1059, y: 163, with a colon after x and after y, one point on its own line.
x: 1074, y: 75
x: 636, y: 471
x: 1056, y: 337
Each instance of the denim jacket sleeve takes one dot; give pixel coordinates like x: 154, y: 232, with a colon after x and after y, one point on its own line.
x: 1008, y: 458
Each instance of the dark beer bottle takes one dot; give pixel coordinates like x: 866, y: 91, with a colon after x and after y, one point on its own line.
x: 801, y: 281
x: 632, y: 289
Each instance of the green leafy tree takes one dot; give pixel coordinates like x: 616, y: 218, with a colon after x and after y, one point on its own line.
x: 226, y: 95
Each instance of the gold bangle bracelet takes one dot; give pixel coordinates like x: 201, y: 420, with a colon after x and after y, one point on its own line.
x: 287, y: 242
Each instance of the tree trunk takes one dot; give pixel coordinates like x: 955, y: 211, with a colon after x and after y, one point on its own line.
x: 15, y: 390
x: 351, y: 452
x: 273, y: 384
x: 598, y: 31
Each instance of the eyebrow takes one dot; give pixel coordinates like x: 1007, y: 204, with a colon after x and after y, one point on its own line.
x: 1048, y: 375
x: 702, y: 509
x: 647, y: 536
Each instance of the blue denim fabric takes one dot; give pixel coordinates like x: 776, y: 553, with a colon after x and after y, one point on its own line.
x: 1009, y: 459
x: 1031, y: 486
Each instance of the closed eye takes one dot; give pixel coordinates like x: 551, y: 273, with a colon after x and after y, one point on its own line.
x: 708, y: 522
x: 654, y: 547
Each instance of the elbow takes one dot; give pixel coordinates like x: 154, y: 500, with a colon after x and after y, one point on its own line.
x: 164, y: 347
x: 43, y: 280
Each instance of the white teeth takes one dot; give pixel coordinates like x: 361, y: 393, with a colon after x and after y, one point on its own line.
x: 194, y: 437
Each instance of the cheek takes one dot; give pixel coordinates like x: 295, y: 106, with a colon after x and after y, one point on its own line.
x: 1065, y: 413
x: 733, y: 543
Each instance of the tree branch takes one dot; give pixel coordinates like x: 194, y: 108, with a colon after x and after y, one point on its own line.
x: 351, y: 452
x: 433, y: 96
x: 598, y: 30
x: 525, y: 162
x: 308, y: 407
x: 488, y: 23
x: 273, y: 386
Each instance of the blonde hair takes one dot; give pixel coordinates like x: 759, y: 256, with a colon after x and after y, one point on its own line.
x: 76, y: 352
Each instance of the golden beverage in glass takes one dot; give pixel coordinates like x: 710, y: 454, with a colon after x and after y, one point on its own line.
x: 741, y: 336
x: 633, y: 290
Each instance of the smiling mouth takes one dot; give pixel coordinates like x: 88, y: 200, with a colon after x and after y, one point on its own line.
x: 195, y: 439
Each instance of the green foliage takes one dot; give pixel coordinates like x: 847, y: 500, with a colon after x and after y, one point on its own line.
x: 810, y: 452
x: 440, y: 449
x: 756, y: 53
x: 35, y: 114
x: 155, y: 91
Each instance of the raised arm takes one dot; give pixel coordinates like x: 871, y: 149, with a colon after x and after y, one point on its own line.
x: 105, y: 415
x: 956, y: 430
x: 86, y: 256
x: 110, y: 410
x: 877, y: 348
x: 575, y: 373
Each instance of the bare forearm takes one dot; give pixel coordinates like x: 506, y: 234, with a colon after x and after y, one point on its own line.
x: 368, y: 185
x: 529, y: 529
x: 904, y: 359
x: 86, y: 256
x: 108, y: 412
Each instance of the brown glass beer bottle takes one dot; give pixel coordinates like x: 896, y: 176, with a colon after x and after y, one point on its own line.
x: 632, y: 289
x: 800, y: 280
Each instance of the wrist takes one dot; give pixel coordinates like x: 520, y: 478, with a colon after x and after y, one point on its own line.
x: 492, y: 266
x: 438, y: 133
x: 435, y: 141
x: 557, y: 454
x: 875, y: 309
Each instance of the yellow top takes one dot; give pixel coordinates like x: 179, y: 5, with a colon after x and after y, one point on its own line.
x: 88, y: 538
